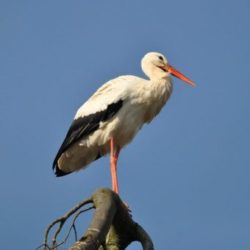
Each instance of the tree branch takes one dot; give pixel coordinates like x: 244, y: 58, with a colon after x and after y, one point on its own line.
x: 112, y: 227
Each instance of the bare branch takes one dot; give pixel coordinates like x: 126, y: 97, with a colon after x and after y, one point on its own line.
x: 112, y: 227
x: 102, y: 220
x: 61, y: 220
x: 143, y: 237
x: 71, y: 227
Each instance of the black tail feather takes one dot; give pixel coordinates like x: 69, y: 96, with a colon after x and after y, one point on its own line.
x: 58, y: 172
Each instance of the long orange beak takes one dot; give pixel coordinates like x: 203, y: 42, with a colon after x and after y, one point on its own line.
x: 178, y: 74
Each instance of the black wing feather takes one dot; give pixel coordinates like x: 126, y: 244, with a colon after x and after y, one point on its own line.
x: 84, y: 126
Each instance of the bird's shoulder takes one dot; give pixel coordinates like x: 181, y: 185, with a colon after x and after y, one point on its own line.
x: 110, y: 92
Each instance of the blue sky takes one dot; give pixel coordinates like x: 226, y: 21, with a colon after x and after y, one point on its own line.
x: 186, y: 175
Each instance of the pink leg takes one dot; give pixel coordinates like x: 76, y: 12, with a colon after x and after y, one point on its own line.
x: 114, y: 153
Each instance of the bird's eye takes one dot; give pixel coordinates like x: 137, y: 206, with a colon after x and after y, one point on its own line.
x: 161, y: 58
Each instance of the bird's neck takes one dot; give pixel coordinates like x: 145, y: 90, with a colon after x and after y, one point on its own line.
x: 161, y: 88
x: 156, y: 95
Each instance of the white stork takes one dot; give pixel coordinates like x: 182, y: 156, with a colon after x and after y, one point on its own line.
x: 113, y: 115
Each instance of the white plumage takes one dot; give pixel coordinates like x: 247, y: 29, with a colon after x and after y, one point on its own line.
x: 116, y: 112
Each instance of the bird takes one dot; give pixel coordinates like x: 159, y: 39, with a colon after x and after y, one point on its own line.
x: 114, y: 114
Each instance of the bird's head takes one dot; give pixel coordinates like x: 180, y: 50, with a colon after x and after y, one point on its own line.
x: 156, y: 66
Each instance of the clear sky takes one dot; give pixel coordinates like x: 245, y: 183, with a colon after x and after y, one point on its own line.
x: 186, y: 175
